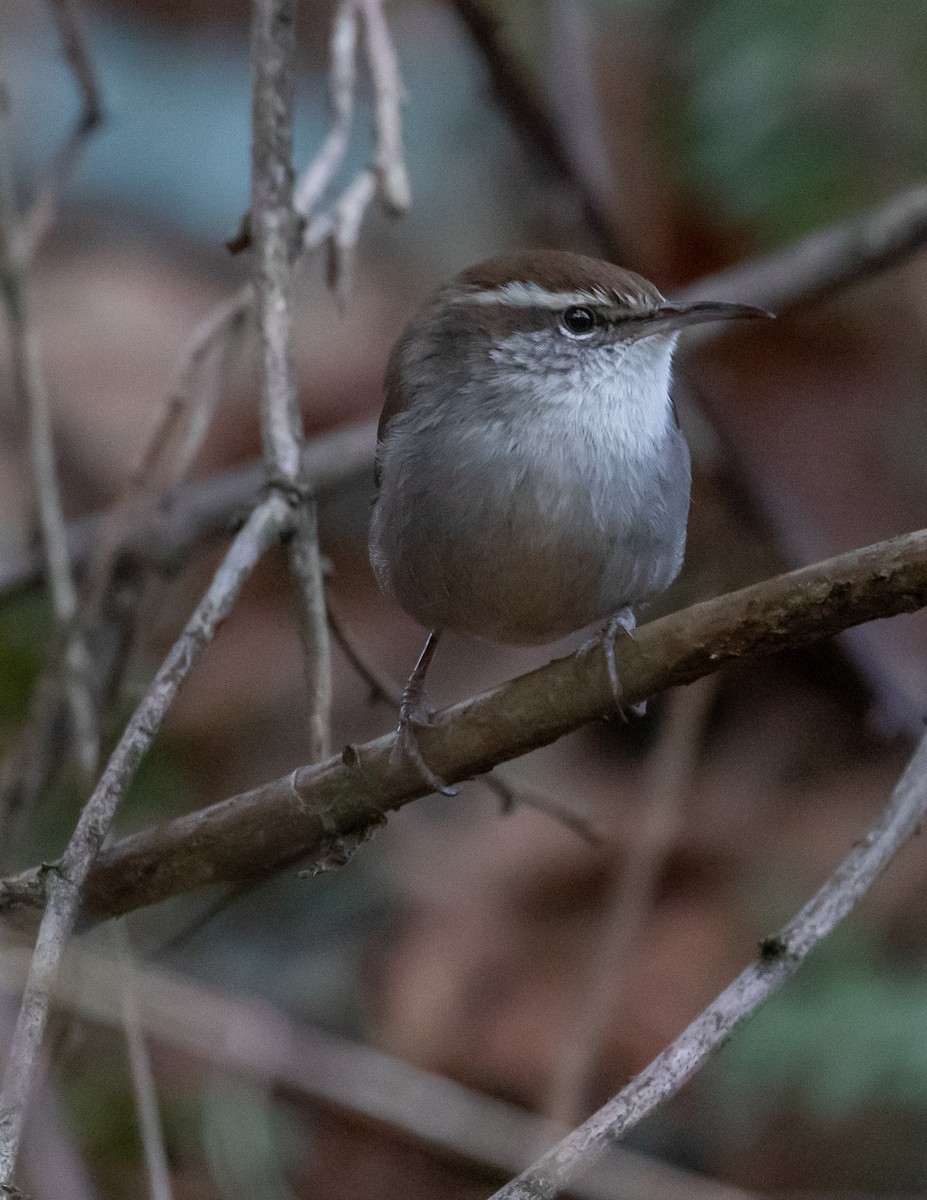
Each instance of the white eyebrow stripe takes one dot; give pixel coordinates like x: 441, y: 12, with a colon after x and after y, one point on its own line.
x: 532, y: 295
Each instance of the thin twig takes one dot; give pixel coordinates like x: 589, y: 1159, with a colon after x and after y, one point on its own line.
x: 41, y: 216
x: 340, y: 227
x: 33, y: 393
x: 143, y: 1084
x: 174, y: 443
x: 383, y: 688
x: 780, y: 957
x: 341, y: 802
x: 512, y: 794
x: 827, y: 261
x: 273, y: 228
x: 274, y: 231
x: 342, y: 82
x: 306, y: 568
x: 392, y: 176
x: 66, y: 880
x: 630, y: 897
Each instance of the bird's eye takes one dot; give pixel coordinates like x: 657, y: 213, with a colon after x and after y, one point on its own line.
x: 579, y: 321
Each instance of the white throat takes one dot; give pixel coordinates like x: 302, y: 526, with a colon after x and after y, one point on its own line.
x: 617, y: 397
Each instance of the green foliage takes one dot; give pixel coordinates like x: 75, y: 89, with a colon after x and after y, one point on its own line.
x: 24, y: 633
x: 846, y: 1034
x: 97, y: 1093
x: 797, y: 112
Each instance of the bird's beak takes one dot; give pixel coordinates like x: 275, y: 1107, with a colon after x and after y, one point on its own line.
x: 674, y: 316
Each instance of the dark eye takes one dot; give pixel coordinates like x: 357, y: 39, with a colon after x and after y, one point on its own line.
x: 579, y: 321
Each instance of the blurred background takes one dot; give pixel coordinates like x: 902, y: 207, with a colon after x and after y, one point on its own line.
x: 499, y: 949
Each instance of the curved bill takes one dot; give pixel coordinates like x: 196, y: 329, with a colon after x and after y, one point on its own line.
x: 675, y: 316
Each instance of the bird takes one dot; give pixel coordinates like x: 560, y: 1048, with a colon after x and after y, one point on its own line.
x: 532, y: 477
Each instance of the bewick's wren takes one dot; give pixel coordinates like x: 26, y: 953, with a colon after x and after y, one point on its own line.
x: 532, y: 475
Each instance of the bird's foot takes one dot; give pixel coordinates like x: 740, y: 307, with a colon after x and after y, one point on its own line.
x: 413, y: 715
x: 606, y: 640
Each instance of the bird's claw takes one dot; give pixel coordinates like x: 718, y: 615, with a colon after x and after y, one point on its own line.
x: 407, y: 749
x: 606, y: 639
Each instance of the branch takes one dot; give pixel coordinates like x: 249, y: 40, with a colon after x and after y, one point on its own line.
x: 65, y: 881
x: 780, y: 957
x: 392, y: 176
x: 322, y: 812
x: 203, y: 510
x: 273, y: 220
x: 342, y: 80
x: 816, y: 266
x: 273, y: 223
x: 41, y: 216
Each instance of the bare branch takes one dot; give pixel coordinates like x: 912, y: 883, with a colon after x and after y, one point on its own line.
x: 825, y: 262
x: 273, y: 222
x: 341, y: 228
x: 342, y: 82
x: 383, y: 688
x: 41, y: 216
x: 513, y: 793
x: 392, y: 176
x: 343, y: 800
x: 205, y: 509
x: 306, y: 568
x: 273, y: 228
x: 780, y: 957
x: 66, y: 880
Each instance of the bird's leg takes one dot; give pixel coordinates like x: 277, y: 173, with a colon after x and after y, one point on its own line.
x: 624, y: 619
x: 412, y: 713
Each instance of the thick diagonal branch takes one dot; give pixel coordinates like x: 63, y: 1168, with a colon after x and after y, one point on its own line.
x: 780, y: 957
x: 321, y: 812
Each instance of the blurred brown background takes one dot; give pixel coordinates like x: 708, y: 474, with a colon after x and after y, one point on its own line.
x: 461, y: 940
